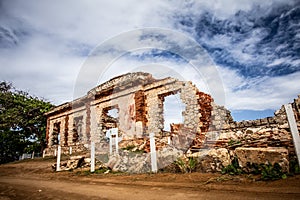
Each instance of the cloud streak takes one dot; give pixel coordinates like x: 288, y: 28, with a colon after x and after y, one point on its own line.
x: 44, y: 45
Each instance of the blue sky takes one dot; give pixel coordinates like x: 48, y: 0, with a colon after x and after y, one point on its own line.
x: 253, y: 46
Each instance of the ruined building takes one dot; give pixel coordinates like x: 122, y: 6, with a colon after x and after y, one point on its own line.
x: 138, y: 100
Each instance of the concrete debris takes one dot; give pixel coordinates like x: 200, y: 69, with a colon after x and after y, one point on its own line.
x: 140, y: 162
x: 270, y: 155
x: 73, y: 163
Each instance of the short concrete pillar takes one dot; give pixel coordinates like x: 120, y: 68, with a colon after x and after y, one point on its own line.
x: 58, y: 158
x: 44, y: 153
x: 115, y: 132
x: 92, y: 156
x: 153, y: 153
x: 113, y: 140
x: 294, y: 129
x: 108, y: 133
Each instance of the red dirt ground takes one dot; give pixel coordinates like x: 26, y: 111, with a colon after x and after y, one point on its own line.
x: 34, y: 179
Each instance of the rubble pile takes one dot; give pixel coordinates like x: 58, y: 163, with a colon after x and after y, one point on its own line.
x: 142, y: 144
x: 267, y: 156
x: 133, y: 162
x: 261, y: 141
x: 73, y: 163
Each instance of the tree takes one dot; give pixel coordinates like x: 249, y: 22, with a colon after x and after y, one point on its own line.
x: 22, y: 123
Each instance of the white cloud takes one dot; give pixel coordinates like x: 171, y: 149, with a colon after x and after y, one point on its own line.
x: 47, y: 59
x: 258, y: 93
x: 223, y: 9
x: 89, y: 21
x: 58, y: 35
x: 42, y: 67
x: 278, y: 62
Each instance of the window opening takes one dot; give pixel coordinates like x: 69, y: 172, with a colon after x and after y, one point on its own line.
x: 56, y: 134
x: 173, y: 108
x: 110, y: 118
x: 77, y: 128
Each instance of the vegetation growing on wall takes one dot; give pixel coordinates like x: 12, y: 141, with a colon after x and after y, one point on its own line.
x: 266, y: 171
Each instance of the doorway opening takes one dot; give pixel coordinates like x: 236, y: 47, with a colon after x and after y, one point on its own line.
x: 110, y: 118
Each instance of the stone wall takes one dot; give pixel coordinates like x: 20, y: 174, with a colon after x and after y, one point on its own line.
x: 207, y: 132
x: 139, y: 99
x: 260, y: 141
x: 267, y: 132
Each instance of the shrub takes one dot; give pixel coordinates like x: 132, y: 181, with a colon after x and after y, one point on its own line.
x: 186, y: 165
x: 233, y: 168
x: 267, y: 171
x: 294, y: 167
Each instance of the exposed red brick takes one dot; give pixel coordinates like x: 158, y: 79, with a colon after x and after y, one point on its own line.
x: 66, y: 130
x: 47, y: 132
x: 140, y: 107
x: 205, y: 110
x: 88, y: 120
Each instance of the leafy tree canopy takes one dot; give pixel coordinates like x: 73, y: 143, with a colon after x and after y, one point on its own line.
x: 22, y: 123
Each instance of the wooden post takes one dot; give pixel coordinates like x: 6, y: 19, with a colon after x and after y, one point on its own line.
x: 153, y: 153
x: 294, y: 129
x: 58, y: 158
x: 32, y: 155
x: 92, y: 156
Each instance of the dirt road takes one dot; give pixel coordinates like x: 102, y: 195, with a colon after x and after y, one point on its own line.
x: 34, y: 179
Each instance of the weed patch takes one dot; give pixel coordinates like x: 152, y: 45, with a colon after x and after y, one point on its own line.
x: 186, y: 165
x: 266, y: 171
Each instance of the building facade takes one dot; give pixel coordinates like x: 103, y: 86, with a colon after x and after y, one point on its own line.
x: 137, y: 100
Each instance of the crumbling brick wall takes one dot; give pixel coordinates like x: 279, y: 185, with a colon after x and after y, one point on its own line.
x: 245, y: 139
x: 139, y: 99
x: 267, y: 132
x: 205, y: 103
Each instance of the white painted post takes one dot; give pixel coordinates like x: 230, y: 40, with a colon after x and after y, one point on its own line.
x: 110, y: 141
x: 294, y: 129
x: 153, y: 153
x: 113, y: 140
x: 115, y: 132
x: 70, y: 150
x: 23, y: 156
x: 169, y: 140
x: 55, y: 153
x: 44, y: 152
x: 58, y: 158
x: 92, y: 156
x: 32, y: 155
